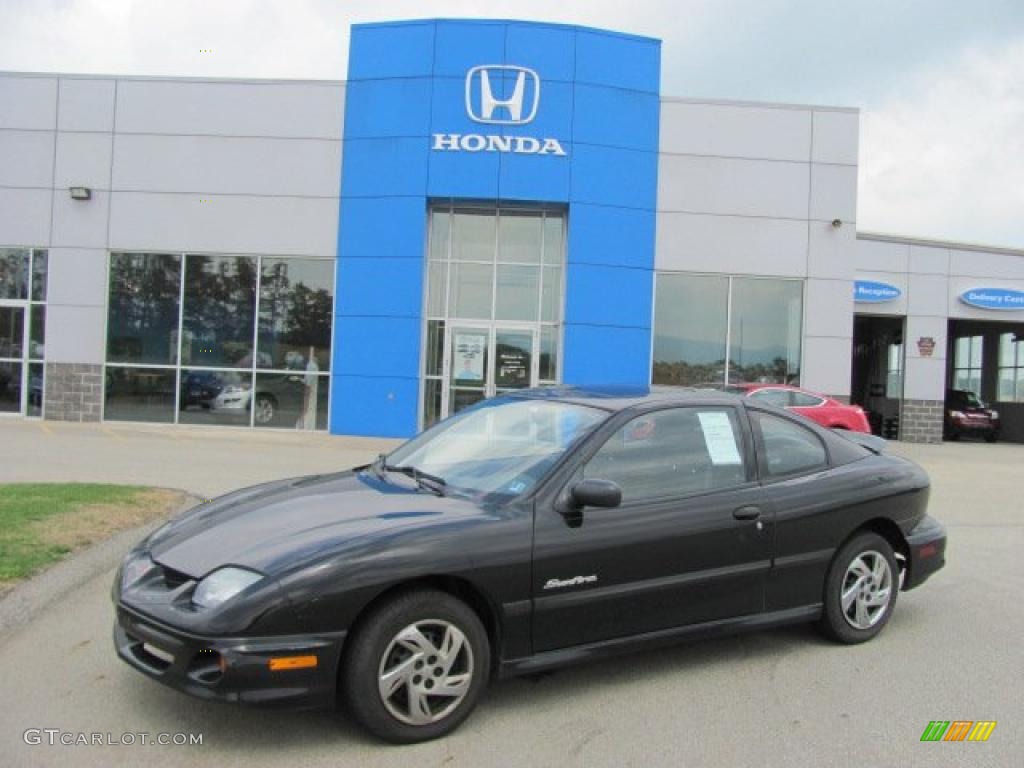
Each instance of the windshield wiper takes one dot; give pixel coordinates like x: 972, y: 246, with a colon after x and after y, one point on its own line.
x: 424, y: 480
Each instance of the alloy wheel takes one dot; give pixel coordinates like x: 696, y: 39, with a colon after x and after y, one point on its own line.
x: 425, y: 672
x: 867, y: 590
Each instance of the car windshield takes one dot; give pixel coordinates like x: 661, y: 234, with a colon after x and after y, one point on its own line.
x: 966, y: 399
x: 500, y: 446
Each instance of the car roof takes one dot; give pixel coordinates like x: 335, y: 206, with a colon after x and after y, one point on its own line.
x: 620, y: 397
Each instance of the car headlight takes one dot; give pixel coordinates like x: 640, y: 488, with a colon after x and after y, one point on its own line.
x: 993, y: 414
x: 223, y: 584
x: 135, y: 568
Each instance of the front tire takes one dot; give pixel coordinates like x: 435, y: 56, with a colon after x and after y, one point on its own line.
x: 860, y: 590
x: 416, y: 668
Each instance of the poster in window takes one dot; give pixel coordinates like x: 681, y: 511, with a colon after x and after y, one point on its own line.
x: 468, y: 353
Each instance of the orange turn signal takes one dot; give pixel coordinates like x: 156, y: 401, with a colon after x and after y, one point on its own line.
x: 284, y: 663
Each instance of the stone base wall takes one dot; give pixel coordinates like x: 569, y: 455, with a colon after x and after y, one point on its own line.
x: 74, y: 392
x: 921, y: 421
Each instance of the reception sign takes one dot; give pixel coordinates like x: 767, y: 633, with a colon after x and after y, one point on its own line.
x: 871, y: 292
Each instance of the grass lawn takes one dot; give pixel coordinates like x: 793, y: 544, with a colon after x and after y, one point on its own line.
x: 41, y: 523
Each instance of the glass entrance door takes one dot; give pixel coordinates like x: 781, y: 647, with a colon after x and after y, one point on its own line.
x: 482, y: 361
x: 13, y: 343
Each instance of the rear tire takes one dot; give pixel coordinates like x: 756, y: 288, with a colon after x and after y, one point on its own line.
x: 416, y: 667
x: 860, y: 590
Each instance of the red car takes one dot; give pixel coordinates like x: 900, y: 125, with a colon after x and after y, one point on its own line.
x: 824, y: 410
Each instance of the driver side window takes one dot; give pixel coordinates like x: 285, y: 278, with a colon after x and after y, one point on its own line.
x: 673, y: 452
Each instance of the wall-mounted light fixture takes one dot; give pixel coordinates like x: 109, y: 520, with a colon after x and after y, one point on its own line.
x: 837, y: 223
x: 80, y: 193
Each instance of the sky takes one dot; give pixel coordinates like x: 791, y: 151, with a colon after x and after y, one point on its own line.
x: 940, y: 83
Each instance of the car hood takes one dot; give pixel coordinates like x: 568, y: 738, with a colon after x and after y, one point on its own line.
x: 274, y: 527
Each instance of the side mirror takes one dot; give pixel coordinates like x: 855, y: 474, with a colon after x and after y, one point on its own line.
x: 596, y: 493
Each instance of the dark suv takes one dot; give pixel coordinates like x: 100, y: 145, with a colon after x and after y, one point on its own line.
x: 966, y: 414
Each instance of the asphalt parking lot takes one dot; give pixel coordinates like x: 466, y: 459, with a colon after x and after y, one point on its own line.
x: 778, y: 698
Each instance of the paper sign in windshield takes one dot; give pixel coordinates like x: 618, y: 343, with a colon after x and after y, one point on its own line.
x: 719, y: 437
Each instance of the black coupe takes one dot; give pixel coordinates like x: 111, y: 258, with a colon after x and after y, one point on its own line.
x: 529, y: 531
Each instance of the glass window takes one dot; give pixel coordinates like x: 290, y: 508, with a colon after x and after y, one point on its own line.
x: 690, y: 320
x: 10, y: 386
x: 500, y: 446
x: 291, y: 400
x: 804, y: 400
x: 551, y: 299
x: 437, y: 281
x: 215, y: 397
x: 218, y: 311
x: 789, y: 448
x: 777, y: 397
x: 12, y: 331
x: 894, y: 372
x: 554, y: 248
x: 548, y: 372
x: 14, y: 273
x: 39, y: 261
x: 471, y: 291
x: 35, y: 389
x: 674, y: 452
x: 37, y: 331
x: 296, y: 306
x: 967, y: 356
x: 697, y: 318
x: 142, y: 318
x: 435, y: 348
x: 519, y: 237
x: 518, y: 293
x: 764, y: 331
x: 473, y: 236
x: 139, y: 394
x: 1011, y: 368
x: 218, y: 326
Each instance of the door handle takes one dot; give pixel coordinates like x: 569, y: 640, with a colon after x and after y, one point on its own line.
x: 746, y: 513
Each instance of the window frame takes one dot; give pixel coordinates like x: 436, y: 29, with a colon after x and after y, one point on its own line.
x: 599, y: 438
x: 1015, y: 366
x: 765, y: 476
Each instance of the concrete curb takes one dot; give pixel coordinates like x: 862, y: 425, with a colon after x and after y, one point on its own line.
x: 31, y: 598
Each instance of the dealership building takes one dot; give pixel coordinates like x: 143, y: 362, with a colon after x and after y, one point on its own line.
x: 480, y: 206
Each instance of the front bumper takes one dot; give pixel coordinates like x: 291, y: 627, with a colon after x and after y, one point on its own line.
x: 927, y: 543
x: 233, y: 669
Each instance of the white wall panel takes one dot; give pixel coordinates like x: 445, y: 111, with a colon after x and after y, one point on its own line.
x: 86, y: 105
x: 880, y: 256
x: 735, y: 131
x: 83, y: 160
x: 77, y: 277
x: 230, y: 108
x: 204, y: 164
x: 834, y: 193
x: 25, y: 216
x: 730, y: 186
x: 979, y: 264
x: 927, y: 295
x: 731, y: 244
x: 826, y: 364
x: 28, y: 102
x: 81, y: 223
x: 832, y: 251
x: 829, y: 307
x: 225, y: 224
x: 926, y: 260
x: 26, y: 158
x: 74, y: 334
x: 836, y: 137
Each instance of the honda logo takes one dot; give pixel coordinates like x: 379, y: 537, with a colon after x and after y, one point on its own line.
x: 483, y: 106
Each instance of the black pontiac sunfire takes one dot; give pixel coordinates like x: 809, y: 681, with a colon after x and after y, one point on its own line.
x: 527, y: 532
